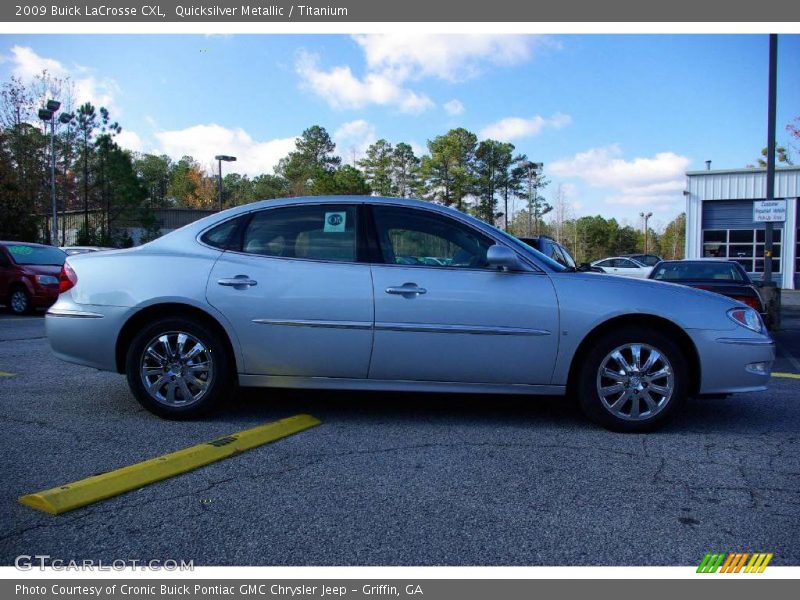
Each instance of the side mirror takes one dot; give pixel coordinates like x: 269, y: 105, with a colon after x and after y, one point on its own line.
x: 503, y: 258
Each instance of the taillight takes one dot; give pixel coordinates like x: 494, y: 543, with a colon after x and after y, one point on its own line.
x: 66, y: 279
x: 750, y: 301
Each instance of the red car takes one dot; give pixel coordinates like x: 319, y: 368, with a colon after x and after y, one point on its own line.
x: 29, y: 275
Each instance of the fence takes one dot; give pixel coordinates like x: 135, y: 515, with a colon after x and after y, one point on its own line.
x: 168, y: 219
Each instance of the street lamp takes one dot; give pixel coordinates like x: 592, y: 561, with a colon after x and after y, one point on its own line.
x: 219, y: 158
x: 48, y: 114
x: 531, y: 167
x: 646, y: 217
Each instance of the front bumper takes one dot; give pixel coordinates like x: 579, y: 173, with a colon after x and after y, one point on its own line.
x: 733, y: 361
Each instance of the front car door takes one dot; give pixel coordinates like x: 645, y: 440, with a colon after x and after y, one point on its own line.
x: 299, y: 298
x: 453, y: 319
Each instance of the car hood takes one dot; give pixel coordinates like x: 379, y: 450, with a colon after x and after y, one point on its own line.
x: 607, y: 296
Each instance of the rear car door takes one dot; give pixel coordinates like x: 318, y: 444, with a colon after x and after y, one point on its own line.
x: 298, y: 297
x: 5, y: 273
x: 460, y: 321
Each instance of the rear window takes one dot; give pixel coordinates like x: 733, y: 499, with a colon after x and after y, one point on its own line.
x: 710, y: 271
x: 26, y: 254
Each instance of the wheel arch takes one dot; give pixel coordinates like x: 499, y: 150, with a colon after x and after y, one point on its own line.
x: 639, y: 320
x: 168, y: 309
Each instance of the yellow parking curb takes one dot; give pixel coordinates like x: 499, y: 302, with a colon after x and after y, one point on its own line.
x: 787, y: 375
x: 99, y: 487
x: 7, y: 374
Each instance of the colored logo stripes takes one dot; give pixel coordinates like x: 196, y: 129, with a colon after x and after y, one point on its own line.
x: 734, y: 562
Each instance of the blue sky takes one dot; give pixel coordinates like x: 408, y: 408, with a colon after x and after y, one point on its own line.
x: 616, y: 119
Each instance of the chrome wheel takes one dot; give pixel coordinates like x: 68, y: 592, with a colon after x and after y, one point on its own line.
x: 19, y: 301
x: 176, y: 368
x: 635, y: 382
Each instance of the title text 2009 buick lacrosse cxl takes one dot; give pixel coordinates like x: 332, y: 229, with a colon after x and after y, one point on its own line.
x: 392, y: 294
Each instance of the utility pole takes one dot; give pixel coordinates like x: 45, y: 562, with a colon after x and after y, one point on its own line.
x: 771, y: 292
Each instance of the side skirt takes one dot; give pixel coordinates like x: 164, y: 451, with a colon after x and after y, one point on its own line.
x: 341, y: 383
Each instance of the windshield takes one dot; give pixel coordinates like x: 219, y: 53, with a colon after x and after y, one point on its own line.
x: 704, y: 271
x: 25, y: 254
x: 648, y: 260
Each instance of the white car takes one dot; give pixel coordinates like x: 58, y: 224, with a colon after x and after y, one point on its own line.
x: 620, y: 265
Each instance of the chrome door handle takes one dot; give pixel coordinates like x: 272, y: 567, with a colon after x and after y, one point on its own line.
x: 407, y: 290
x: 240, y: 282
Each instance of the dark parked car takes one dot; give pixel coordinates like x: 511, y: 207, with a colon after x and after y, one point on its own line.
x: 722, y: 276
x: 552, y: 249
x: 29, y: 275
x: 648, y: 260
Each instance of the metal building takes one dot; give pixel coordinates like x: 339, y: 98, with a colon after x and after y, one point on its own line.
x: 720, y: 220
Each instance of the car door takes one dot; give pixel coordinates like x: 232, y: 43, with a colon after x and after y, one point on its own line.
x: 5, y: 273
x: 295, y: 291
x: 461, y: 321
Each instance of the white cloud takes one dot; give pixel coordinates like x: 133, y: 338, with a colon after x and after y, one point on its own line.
x: 512, y: 128
x: 394, y: 60
x: 203, y: 142
x: 129, y: 140
x: 445, y: 56
x: 454, y: 108
x: 341, y: 89
x: 100, y: 91
x: 656, y: 181
x: 354, y: 136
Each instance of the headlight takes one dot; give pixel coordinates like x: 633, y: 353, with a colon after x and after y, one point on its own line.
x: 46, y: 280
x: 746, y: 317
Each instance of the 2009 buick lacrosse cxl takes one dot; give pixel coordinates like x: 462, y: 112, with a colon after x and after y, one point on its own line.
x: 393, y: 294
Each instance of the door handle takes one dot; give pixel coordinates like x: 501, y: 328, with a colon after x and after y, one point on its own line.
x: 240, y: 282
x: 407, y: 290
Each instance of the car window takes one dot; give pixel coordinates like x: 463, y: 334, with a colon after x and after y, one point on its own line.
x: 568, y: 260
x: 604, y: 263
x: 702, y: 271
x: 28, y: 254
x: 222, y: 236
x: 418, y: 237
x: 624, y: 263
x: 318, y: 232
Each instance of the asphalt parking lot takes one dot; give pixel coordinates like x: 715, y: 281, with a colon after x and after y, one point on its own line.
x: 399, y: 479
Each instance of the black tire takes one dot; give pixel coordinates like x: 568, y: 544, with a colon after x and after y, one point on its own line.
x: 19, y: 301
x: 588, y: 381
x: 222, y: 376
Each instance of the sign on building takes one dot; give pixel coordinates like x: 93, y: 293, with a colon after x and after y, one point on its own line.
x: 769, y: 211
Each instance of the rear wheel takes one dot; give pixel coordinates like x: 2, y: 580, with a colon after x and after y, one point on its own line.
x: 19, y: 302
x: 179, y: 368
x: 633, y: 380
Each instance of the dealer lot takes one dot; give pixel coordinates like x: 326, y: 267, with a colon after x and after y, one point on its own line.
x: 399, y: 478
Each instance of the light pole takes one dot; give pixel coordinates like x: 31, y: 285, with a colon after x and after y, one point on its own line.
x: 66, y: 119
x: 219, y: 158
x: 646, y: 217
x: 48, y: 114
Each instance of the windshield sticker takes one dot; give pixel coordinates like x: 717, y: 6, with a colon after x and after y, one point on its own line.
x: 20, y: 250
x: 335, y: 222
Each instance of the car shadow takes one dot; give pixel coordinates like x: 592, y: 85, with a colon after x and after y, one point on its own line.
x: 251, y: 404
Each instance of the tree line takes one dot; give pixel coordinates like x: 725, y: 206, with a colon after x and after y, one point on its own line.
x: 488, y: 178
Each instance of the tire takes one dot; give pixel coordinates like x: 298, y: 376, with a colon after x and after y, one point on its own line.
x: 19, y: 302
x: 666, y: 392
x: 206, y: 370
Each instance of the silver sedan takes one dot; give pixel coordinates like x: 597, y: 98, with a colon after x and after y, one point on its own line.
x: 392, y: 294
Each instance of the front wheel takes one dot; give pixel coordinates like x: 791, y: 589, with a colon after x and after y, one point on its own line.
x: 633, y: 380
x: 179, y: 368
x: 19, y: 302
